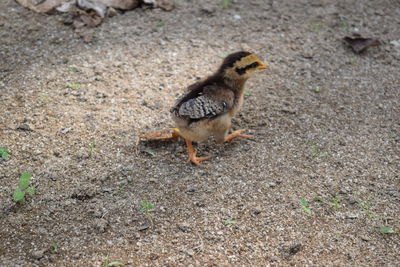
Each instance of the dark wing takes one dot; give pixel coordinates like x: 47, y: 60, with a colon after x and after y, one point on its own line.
x: 213, y: 101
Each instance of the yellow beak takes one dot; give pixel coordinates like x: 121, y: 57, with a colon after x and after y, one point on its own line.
x: 262, y: 66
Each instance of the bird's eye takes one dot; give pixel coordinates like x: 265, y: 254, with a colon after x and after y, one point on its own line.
x: 254, y: 65
x: 240, y: 71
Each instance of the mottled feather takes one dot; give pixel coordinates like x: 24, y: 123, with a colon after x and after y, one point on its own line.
x: 211, y: 102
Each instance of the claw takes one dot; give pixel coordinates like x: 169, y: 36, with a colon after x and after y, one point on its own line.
x: 196, y: 161
x: 237, y: 134
x: 192, y: 154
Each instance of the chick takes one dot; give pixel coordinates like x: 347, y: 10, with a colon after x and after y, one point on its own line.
x: 207, y: 107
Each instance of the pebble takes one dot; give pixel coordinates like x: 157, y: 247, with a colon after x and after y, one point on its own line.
x: 144, y: 226
x: 184, y: 227
x: 293, y: 249
x: 352, y: 216
x: 365, y: 238
x: 38, y: 254
x: 66, y: 130
x: 24, y: 127
x: 100, y: 225
x: 395, y: 43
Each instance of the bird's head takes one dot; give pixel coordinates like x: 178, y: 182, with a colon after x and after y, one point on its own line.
x: 241, y: 65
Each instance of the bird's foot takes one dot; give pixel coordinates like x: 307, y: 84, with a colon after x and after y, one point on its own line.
x: 195, y: 160
x: 237, y: 134
x: 161, y: 135
x: 192, y: 154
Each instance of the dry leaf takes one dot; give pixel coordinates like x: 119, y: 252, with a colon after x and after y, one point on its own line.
x: 359, y: 44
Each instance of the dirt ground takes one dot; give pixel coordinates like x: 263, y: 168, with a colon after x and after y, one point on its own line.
x: 325, y: 121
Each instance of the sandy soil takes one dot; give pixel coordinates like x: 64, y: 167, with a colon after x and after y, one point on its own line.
x: 338, y: 149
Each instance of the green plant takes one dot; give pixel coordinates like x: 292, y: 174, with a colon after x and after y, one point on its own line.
x: 316, y: 90
x: 73, y: 85
x: 226, y: 4
x: 316, y: 150
x: 107, y: 263
x: 353, y: 60
x: 146, y: 208
x: 160, y: 23
x: 247, y: 93
x: 72, y: 68
x: 388, y: 230
x: 150, y: 152
x: 344, y: 25
x: 92, y: 146
x: 366, y: 210
x: 335, y: 203
x: 319, y: 198
x: 23, y: 188
x: 316, y: 27
x: 229, y: 222
x: 54, y: 246
x: 304, y: 205
x: 4, y: 153
x: 122, y: 189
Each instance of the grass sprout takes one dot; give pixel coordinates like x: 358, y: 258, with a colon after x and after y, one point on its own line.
x: 305, y: 207
x: 4, y: 153
x: 23, y: 188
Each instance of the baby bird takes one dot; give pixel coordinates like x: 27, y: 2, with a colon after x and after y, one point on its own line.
x: 207, y: 107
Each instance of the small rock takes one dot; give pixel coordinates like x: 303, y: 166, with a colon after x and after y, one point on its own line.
x: 165, y: 5
x: 352, y: 216
x: 293, y: 249
x: 144, y: 226
x: 136, y: 235
x: 272, y: 184
x: 200, y: 205
x: 208, y: 9
x: 256, y: 211
x: 237, y: 17
x: 395, y: 43
x: 38, y: 254
x: 352, y: 201
x: 153, y: 180
x: 66, y: 130
x: 111, y: 12
x: 365, y: 238
x: 100, y: 225
x: 101, y: 95
x: 190, y: 252
x: 24, y: 127
x: 191, y: 190
x: 184, y: 227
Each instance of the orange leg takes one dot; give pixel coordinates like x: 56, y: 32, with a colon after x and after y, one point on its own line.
x: 192, y: 154
x: 236, y: 134
x: 161, y: 135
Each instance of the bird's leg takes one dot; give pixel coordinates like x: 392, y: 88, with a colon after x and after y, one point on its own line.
x: 192, y: 154
x: 161, y: 135
x: 236, y: 134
